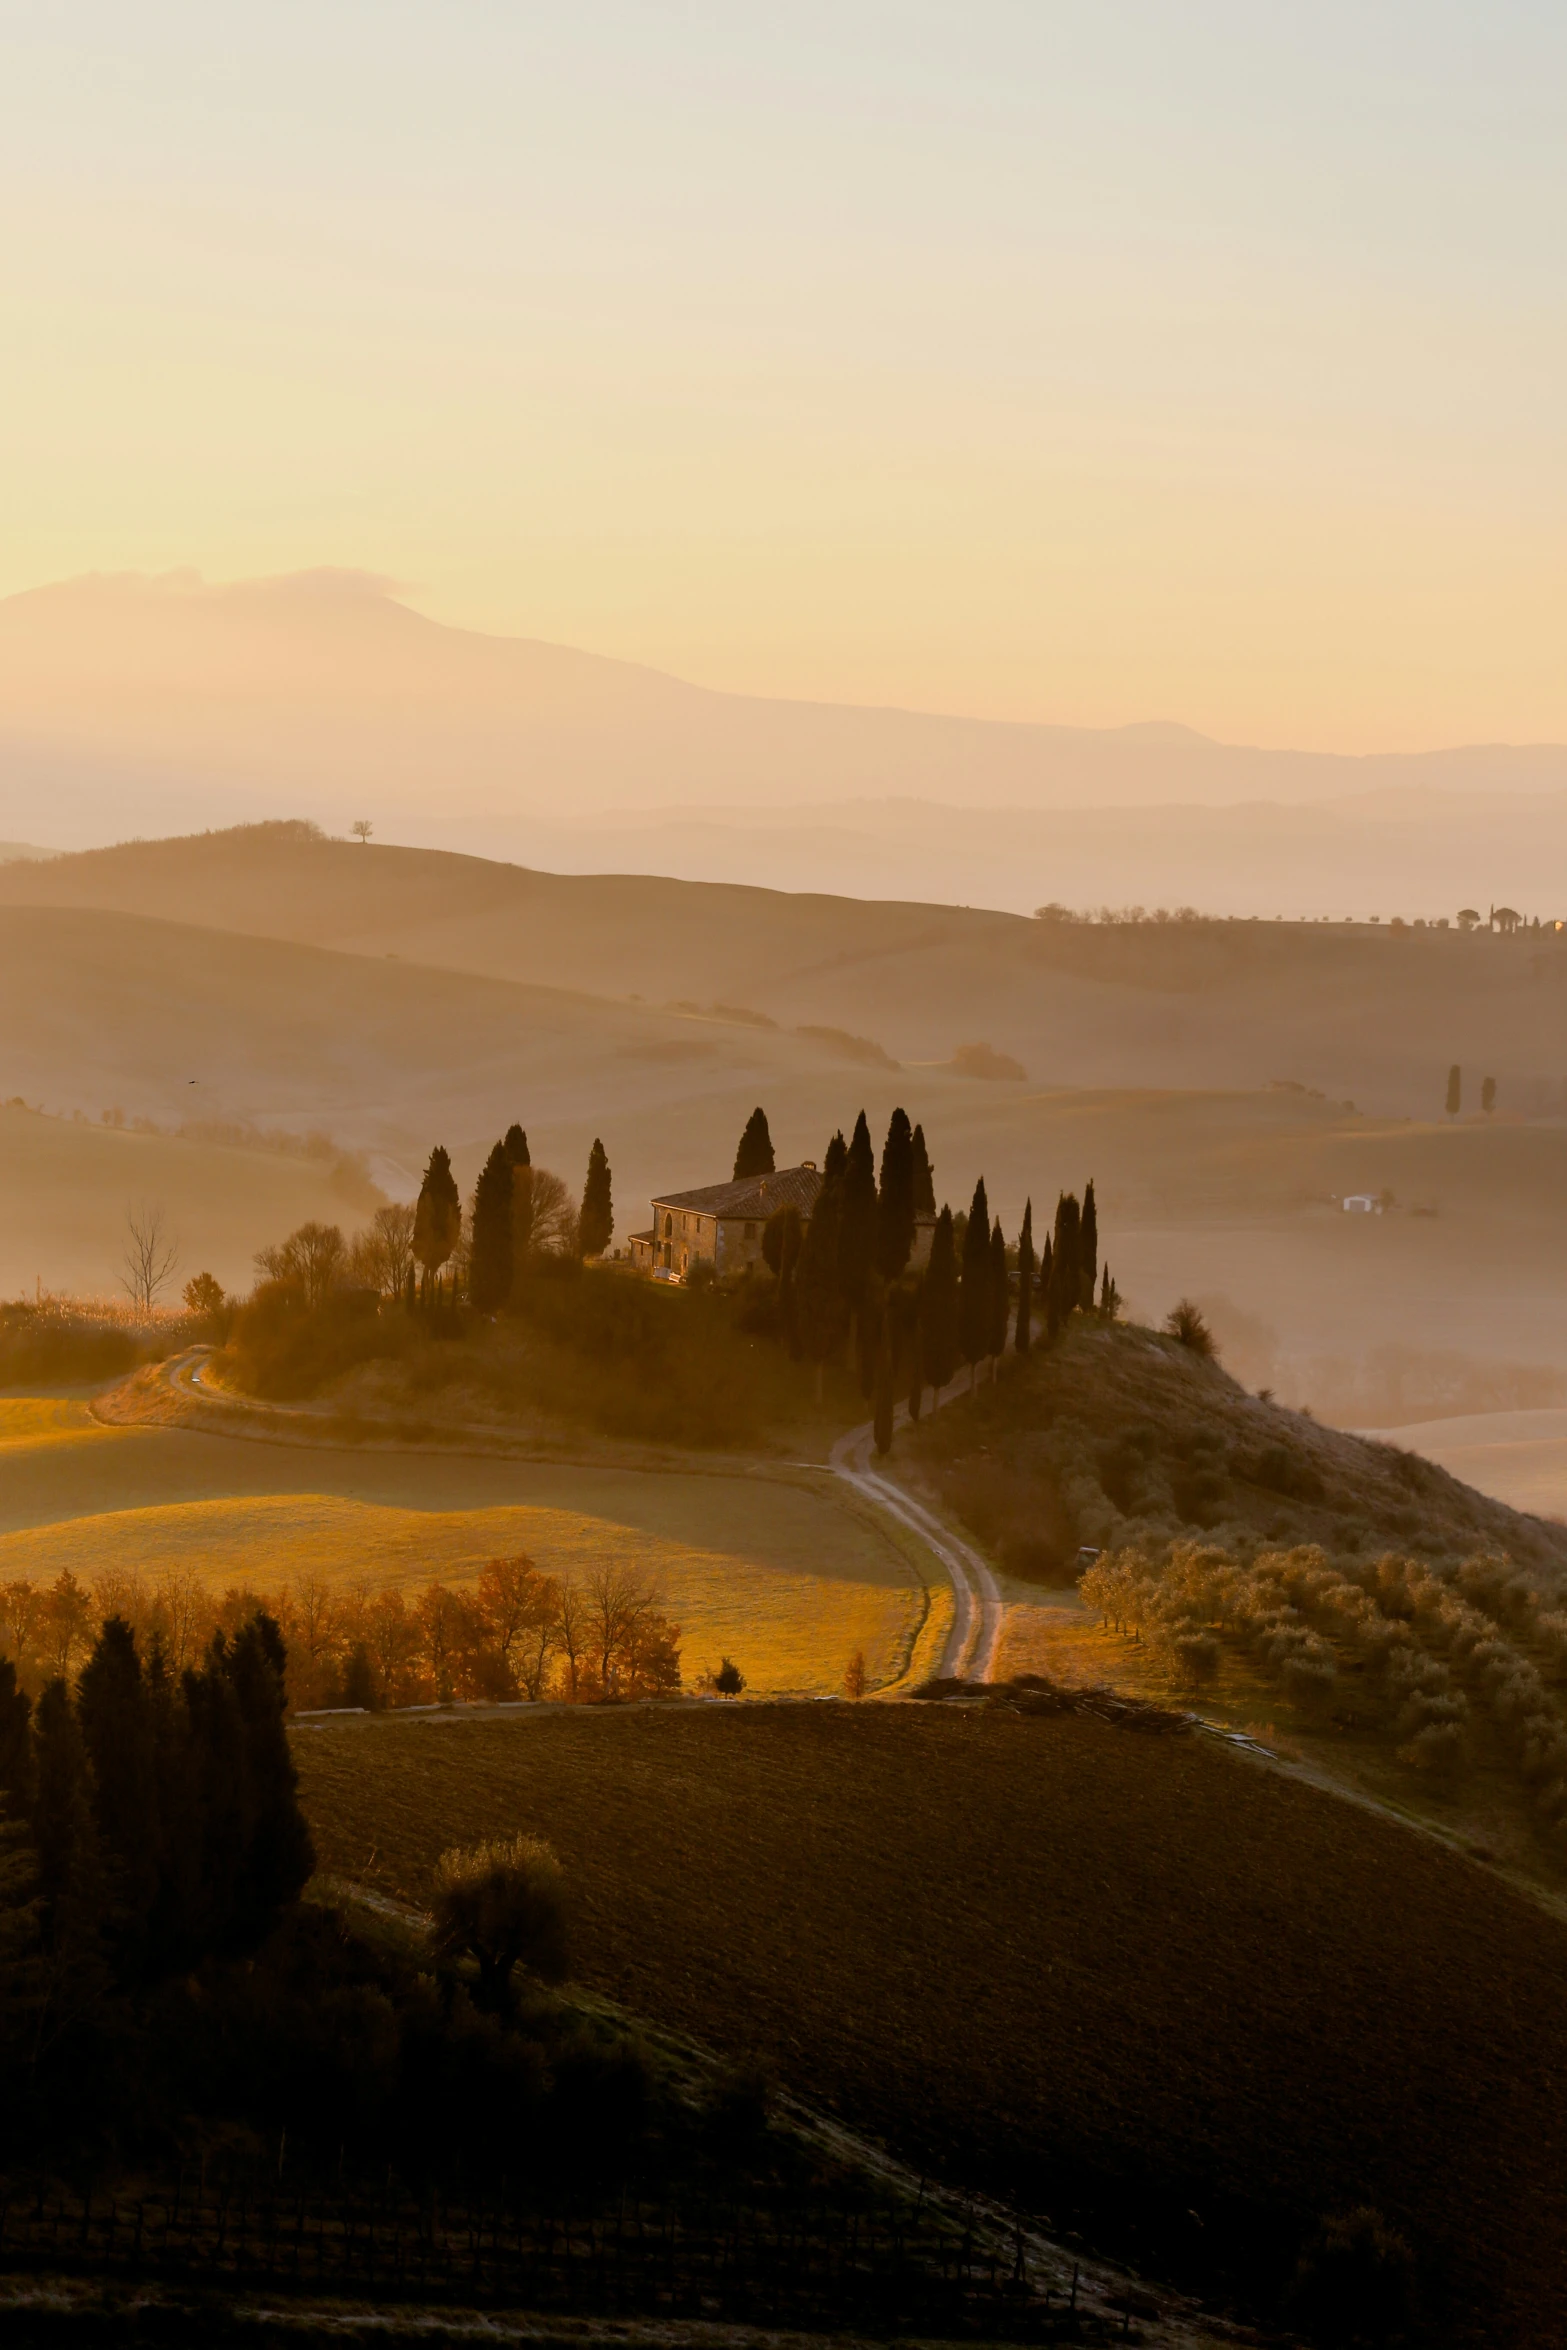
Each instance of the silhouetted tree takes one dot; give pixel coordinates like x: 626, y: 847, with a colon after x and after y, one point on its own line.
x: 820, y: 1316
x: 939, y: 1306
x: 522, y: 1202
x: 998, y: 1292
x: 1044, y: 1286
x: 1488, y: 1095
x: 515, y: 1145
x: 16, y: 1744
x: 500, y: 1904
x: 437, y: 1216
x: 1455, y: 1090
x: 117, y: 1729
x: 773, y: 1237
x: 881, y: 1417
x: 857, y: 1226
x: 836, y: 1160
x: 754, y: 1155
x: 895, y: 1199
x: 597, y: 1220
x: 1065, y: 1280
x: 974, y: 1301
x: 924, y: 1179
x: 1088, y: 1247
x: 1109, y: 1297
x: 489, y: 1254
x: 1023, y: 1338
x: 790, y: 1241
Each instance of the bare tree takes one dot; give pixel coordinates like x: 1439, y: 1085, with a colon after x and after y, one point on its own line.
x: 150, y: 1255
x: 619, y: 1601
x: 310, y: 1260
x: 554, y: 1230
x: 383, y: 1254
x: 361, y: 828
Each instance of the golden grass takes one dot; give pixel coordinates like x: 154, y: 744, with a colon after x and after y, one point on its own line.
x: 26, y: 1420
x: 790, y: 1626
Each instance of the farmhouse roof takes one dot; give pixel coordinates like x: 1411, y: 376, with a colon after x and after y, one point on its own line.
x: 752, y: 1196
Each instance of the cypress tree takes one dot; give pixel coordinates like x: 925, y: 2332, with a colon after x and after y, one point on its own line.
x: 974, y: 1300
x: 998, y: 1293
x: 1109, y: 1297
x: 69, y: 1878
x: 438, y: 1216
x: 1046, y: 1285
x: 489, y: 1259
x: 597, y: 1220
x: 1455, y: 1090
x: 818, y: 1288
x: 857, y: 1228
x: 754, y: 1156
x: 515, y: 1146
x: 924, y: 1178
x: 1023, y: 1338
x: 279, y: 1854
x: 1088, y: 1247
x: 790, y: 1241
x: 837, y: 1159
x: 1065, y: 1286
x: 117, y: 1729
x: 16, y: 1744
x: 895, y: 1199
x: 916, y: 1352
x: 939, y: 1306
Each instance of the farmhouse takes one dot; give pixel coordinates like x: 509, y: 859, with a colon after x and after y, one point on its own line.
x: 722, y: 1223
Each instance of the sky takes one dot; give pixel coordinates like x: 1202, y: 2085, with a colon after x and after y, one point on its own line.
x: 1087, y: 363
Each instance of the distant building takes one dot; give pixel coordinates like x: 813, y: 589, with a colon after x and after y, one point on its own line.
x: 1362, y: 1203
x: 722, y: 1223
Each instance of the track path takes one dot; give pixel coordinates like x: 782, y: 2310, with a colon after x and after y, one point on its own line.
x: 979, y: 1611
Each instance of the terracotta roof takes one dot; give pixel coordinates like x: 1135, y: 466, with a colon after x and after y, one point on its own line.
x: 753, y: 1195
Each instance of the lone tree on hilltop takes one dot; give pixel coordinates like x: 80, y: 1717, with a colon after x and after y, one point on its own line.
x: 597, y: 1220
x: 489, y: 1257
x: 895, y: 1199
x: 1455, y: 1090
x: 938, y: 1336
x: 437, y: 1217
x: 924, y: 1179
x: 974, y: 1296
x: 754, y: 1155
x: 1024, y: 1336
x: 500, y: 1903
x: 361, y: 828
x: 1488, y: 1095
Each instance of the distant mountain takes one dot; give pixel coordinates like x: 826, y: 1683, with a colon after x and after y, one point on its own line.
x: 134, y: 705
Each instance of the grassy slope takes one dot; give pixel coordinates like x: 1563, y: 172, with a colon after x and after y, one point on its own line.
x: 1127, y: 1979
x: 1026, y: 1465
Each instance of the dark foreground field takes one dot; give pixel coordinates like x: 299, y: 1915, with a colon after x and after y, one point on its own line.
x: 1140, y: 1984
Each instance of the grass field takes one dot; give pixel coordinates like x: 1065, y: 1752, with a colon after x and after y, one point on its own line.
x: 1150, y: 1988
x: 788, y: 1575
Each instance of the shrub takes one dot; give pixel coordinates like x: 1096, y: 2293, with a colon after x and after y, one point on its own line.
x: 1185, y: 1324
x: 500, y: 1903
x: 728, y: 1680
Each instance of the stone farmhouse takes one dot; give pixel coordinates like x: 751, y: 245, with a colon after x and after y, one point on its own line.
x: 722, y: 1223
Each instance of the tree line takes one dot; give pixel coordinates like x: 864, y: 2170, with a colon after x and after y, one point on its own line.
x: 514, y: 1633
x: 846, y: 1285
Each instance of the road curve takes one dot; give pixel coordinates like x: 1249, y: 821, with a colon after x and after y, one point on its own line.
x: 979, y: 1610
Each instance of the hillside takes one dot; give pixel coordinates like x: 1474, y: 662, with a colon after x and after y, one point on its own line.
x: 1388, y: 1625
x: 1138, y: 1984
x: 178, y: 700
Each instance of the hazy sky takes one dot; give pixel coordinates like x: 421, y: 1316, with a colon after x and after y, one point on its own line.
x: 1084, y: 362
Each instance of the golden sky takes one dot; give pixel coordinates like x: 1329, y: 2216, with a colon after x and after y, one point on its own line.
x: 1089, y: 363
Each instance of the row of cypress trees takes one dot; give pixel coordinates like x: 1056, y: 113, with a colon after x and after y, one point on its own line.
x: 502, y: 1218
x: 147, y: 1824
x: 844, y: 1279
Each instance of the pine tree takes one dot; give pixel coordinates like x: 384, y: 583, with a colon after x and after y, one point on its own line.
x: 438, y: 1216
x: 939, y: 1306
x: 1065, y: 1284
x: 1455, y: 1090
x: 1023, y: 1338
x: 597, y: 1220
x: 857, y: 1228
x: 924, y: 1178
x: 998, y: 1293
x: 881, y: 1418
x: 489, y: 1254
x: 1088, y: 1248
x: 974, y: 1299
x: 754, y: 1155
x: 895, y: 1199
x: 818, y: 1289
